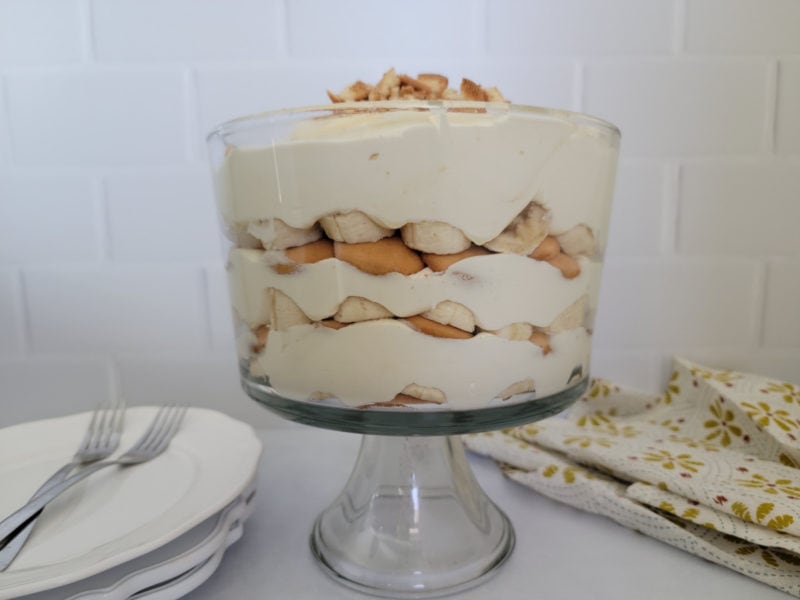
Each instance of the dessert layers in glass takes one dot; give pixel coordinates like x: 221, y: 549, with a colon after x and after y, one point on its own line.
x: 434, y: 255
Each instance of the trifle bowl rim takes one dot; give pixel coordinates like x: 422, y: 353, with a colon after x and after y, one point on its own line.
x: 243, y: 122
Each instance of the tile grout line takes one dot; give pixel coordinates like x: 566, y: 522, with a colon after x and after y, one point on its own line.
x: 771, y: 101
x: 25, y: 326
x: 578, y: 85
x: 102, y: 219
x: 191, y: 121
x: 5, y: 121
x: 759, y: 319
x: 679, y: 24
x: 113, y: 378
x: 672, y: 172
x: 284, y: 44
x: 87, y: 33
x: 480, y: 28
x: 205, y: 301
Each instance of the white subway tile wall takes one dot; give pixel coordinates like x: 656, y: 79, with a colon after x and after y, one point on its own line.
x: 681, y: 107
x: 787, y: 125
x: 580, y: 27
x: 96, y: 116
x: 152, y: 30
x: 12, y: 332
x: 41, y: 32
x: 743, y: 26
x: 111, y: 275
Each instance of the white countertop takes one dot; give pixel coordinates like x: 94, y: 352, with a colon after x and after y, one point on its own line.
x: 561, y: 553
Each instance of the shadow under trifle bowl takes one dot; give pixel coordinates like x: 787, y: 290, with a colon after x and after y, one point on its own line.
x: 412, y: 271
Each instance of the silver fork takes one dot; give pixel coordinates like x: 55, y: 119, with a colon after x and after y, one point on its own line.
x: 100, y: 441
x: 151, y: 444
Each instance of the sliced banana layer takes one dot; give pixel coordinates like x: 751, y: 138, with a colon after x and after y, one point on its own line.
x: 353, y: 228
x: 578, y: 241
x: 355, y: 309
x: 277, y: 235
x: 520, y: 387
x: 283, y: 311
x: 434, y: 237
x: 516, y: 332
x: 573, y: 316
x: 426, y: 394
x: 452, y: 313
x: 528, y: 229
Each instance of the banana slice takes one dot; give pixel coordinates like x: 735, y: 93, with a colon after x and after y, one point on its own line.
x: 524, y: 233
x: 434, y: 237
x: 516, y: 332
x: 578, y: 241
x: 277, y: 235
x: 353, y: 228
x: 398, y: 400
x: 452, y: 313
x: 355, y: 309
x: 572, y: 317
x: 520, y: 387
x: 283, y: 312
x: 426, y: 394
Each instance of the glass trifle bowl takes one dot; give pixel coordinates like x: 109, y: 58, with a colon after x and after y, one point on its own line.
x: 412, y: 271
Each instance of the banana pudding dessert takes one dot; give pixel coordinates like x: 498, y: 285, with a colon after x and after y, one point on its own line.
x: 415, y: 246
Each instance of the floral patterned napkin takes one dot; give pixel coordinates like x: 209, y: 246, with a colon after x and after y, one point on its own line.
x: 710, y: 466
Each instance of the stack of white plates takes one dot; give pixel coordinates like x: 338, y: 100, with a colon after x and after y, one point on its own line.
x: 154, y: 531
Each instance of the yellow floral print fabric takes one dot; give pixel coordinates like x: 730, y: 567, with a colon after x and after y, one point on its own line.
x: 710, y: 466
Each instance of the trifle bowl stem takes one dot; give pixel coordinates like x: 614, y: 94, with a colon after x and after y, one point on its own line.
x: 412, y: 521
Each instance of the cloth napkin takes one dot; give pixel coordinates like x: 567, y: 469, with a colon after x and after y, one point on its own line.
x: 710, y: 466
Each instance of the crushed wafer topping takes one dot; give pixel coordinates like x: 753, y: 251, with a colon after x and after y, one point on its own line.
x: 426, y: 86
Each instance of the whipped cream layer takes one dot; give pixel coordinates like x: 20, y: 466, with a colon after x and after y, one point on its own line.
x: 475, y: 171
x: 370, y: 362
x: 499, y: 289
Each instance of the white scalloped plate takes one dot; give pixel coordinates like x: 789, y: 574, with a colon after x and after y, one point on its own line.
x: 118, y: 514
x: 179, y: 562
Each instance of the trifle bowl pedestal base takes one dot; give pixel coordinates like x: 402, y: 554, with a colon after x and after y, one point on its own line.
x: 412, y: 521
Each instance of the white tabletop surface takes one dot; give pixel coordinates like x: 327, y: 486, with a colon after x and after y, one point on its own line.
x: 561, y: 553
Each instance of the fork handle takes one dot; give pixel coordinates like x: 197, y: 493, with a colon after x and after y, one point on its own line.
x: 55, y: 478
x: 9, y: 551
x: 16, y: 519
